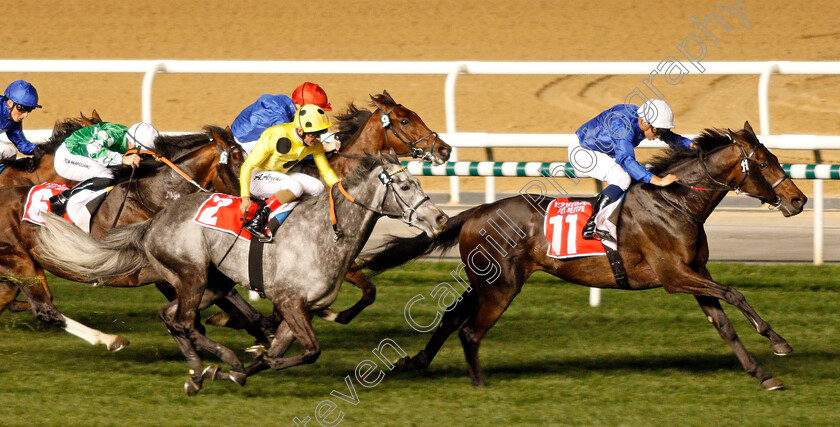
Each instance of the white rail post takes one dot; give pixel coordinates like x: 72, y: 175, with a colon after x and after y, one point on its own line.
x: 449, y: 104
x: 763, y: 98
x: 818, y: 222
x: 146, y: 91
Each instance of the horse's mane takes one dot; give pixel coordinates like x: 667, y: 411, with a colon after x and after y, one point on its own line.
x: 172, y: 146
x: 351, y: 122
x: 366, y: 164
x: 708, y: 140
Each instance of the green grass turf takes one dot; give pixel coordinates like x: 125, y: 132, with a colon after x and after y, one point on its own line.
x: 641, y: 358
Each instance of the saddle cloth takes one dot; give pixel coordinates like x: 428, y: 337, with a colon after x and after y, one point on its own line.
x: 221, y: 212
x: 564, y: 222
x: 79, y: 212
x: 38, y: 201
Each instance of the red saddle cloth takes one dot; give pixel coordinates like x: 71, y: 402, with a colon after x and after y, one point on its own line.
x: 38, y: 201
x: 564, y: 221
x: 221, y: 212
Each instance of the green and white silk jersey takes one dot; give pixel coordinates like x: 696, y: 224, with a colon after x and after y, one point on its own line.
x: 103, y: 142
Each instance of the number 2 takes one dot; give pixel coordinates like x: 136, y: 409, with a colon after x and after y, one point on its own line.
x: 208, y: 215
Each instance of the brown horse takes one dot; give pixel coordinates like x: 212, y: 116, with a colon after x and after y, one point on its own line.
x: 39, y: 168
x: 35, y: 170
x: 662, y: 243
x: 211, y: 159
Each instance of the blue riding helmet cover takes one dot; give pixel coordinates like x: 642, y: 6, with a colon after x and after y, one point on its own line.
x: 23, y: 93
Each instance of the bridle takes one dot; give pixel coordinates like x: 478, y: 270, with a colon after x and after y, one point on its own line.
x: 746, y: 159
x: 387, y: 180
x: 417, y: 153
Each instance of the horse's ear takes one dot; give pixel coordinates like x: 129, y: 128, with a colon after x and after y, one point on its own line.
x: 748, y: 128
x: 85, y: 120
x: 95, y: 115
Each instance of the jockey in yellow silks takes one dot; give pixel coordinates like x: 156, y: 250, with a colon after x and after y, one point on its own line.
x: 265, y: 172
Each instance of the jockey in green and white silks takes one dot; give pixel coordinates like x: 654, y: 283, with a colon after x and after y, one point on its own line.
x: 89, y: 154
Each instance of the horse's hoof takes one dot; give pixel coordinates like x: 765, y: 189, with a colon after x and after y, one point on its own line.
x: 238, y: 377
x: 118, y: 344
x: 772, y: 384
x: 782, y: 349
x: 218, y: 319
x: 191, y: 387
x: 211, y: 372
x: 256, y: 351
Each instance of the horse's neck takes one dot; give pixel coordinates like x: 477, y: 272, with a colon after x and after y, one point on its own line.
x: 369, y: 140
x: 698, y: 204
x: 354, y: 221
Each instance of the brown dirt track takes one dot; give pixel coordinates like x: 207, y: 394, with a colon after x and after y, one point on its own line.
x: 487, y: 30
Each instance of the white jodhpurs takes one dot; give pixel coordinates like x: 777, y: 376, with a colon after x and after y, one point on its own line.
x: 78, y: 168
x: 7, y: 151
x: 265, y: 183
x: 598, y: 165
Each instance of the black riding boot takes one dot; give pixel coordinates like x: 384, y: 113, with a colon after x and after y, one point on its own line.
x: 589, y: 229
x: 58, y: 203
x: 256, y: 226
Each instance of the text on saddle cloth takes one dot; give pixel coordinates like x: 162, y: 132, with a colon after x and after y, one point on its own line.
x: 564, y: 222
x: 221, y: 212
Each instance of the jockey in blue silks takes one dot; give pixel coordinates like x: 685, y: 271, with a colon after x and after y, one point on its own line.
x: 605, y: 149
x: 273, y: 110
x: 19, y: 99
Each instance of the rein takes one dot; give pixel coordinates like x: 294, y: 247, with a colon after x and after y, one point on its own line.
x: 174, y: 167
x: 417, y: 153
x: 386, y: 180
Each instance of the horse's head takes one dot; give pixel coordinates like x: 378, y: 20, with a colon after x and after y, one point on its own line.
x: 92, y: 120
x: 230, y: 159
x: 751, y: 169
x: 394, y: 192
x: 406, y: 133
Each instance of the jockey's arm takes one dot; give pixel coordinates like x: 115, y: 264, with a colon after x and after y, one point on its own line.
x: 625, y: 156
x: 675, y: 140
x: 19, y: 140
x: 324, y: 166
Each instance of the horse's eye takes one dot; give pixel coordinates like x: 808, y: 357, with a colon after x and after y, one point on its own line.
x: 405, y: 187
x: 763, y: 165
x: 237, y: 166
x: 404, y: 122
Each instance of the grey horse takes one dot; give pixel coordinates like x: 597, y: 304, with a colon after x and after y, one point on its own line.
x: 303, y: 269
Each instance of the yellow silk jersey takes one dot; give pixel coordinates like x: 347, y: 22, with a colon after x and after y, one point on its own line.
x: 279, y: 149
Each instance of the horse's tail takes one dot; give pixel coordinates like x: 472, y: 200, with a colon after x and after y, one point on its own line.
x: 67, y: 247
x: 400, y: 250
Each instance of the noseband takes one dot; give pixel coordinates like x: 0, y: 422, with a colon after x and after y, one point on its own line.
x: 386, y: 179
x: 417, y: 153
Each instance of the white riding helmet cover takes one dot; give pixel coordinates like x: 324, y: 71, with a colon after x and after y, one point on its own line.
x: 657, y: 113
x: 142, y: 135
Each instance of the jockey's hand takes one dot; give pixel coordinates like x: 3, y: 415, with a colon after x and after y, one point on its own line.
x: 132, y: 160
x: 244, y: 206
x: 664, y: 181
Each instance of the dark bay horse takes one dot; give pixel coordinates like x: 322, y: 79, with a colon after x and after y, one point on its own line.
x: 303, y: 268
x: 39, y: 168
x: 661, y: 241
x: 210, y: 158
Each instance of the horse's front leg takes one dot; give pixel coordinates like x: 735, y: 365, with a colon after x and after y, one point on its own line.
x: 361, y: 281
x: 680, y: 278
x: 296, y: 324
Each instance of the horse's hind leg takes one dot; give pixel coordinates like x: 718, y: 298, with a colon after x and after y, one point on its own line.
x: 711, y: 306
x: 167, y: 315
x: 452, y: 319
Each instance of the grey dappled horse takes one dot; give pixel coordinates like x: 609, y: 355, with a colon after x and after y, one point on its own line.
x: 303, y: 268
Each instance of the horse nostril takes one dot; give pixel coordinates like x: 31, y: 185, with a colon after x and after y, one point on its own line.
x: 798, y: 202
x: 441, y: 219
x: 443, y: 152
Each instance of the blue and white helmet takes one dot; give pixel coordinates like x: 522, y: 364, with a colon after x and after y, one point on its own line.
x: 142, y: 135
x: 23, y: 93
